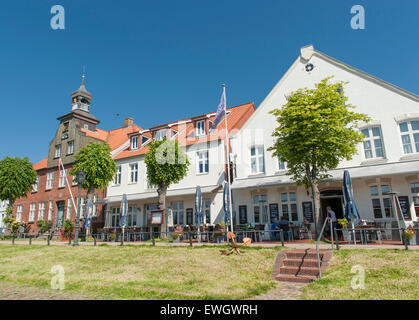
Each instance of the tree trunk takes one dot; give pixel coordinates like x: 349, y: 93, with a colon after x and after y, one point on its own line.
x: 161, y: 191
x: 316, y: 207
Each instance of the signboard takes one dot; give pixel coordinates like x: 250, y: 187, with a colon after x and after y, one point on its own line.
x: 405, y: 207
x: 156, y: 217
x: 308, y: 211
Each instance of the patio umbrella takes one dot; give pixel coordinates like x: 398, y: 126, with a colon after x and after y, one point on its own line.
x: 226, y: 204
x: 350, y: 206
x: 198, y: 206
x: 124, y: 209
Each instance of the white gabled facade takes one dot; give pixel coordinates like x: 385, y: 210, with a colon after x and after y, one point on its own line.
x: 205, y: 152
x: 265, y: 190
x: 3, y: 207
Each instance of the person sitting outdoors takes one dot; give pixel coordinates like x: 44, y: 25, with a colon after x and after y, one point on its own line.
x: 275, y: 226
x: 284, y: 225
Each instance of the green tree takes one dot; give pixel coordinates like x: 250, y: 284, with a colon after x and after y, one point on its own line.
x: 166, y: 164
x: 17, y: 178
x: 317, y: 129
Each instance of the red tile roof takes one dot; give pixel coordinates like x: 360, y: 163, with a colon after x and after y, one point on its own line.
x: 237, y: 116
x: 41, y: 164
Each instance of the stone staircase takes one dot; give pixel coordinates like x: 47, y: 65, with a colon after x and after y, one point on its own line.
x: 300, y: 265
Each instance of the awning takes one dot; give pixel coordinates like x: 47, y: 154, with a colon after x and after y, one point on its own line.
x: 153, y: 194
x: 377, y: 170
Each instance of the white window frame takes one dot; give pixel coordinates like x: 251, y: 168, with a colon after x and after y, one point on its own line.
x: 95, y: 205
x: 259, y: 158
x: 200, y: 129
x: 262, y: 208
x: 50, y: 180
x: 35, y: 187
x: 118, y: 176
x: 289, y: 203
x: 178, y: 208
x: 371, y: 140
x: 278, y: 165
x: 116, y: 212
x: 413, y: 136
x: 41, y: 210
x: 133, y: 173
x: 50, y: 210
x: 134, y: 143
x: 415, y: 199
x: 202, y: 160
x: 160, y: 134
x: 19, y: 212
x: 69, y: 204
x: 381, y: 197
x: 70, y: 147
x: 61, y: 180
x: 32, y: 212
x: 57, y: 151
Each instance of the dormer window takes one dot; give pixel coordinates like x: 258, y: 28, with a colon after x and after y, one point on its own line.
x: 134, y: 143
x: 160, y: 135
x: 65, y: 129
x: 200, y: 128
x: 144, y: 140
x: 58, y: 151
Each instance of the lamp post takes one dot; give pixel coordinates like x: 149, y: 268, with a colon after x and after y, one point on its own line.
x: 81, y: 176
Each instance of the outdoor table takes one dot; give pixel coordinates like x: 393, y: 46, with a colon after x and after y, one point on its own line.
x: 363, y: 232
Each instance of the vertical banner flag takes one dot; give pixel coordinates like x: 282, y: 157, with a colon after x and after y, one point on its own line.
x: 124, y: 209
x: 198, y: 206
x: 221, y: 110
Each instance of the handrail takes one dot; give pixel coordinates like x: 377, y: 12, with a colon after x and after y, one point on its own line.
x: 317, y: 245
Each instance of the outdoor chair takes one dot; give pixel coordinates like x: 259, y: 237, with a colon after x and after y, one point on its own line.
x: 305, y: 232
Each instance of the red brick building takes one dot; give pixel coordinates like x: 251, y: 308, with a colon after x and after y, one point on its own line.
x: 50, y: 198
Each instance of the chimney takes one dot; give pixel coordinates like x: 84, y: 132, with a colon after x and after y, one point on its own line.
x: 128, y: 122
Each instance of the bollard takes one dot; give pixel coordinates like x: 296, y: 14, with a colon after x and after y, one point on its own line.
x: 406, y: 245
x: 69, y: 238
x: 336, y: 238
x: 48, y: 239
x: 152, y: 238
x: 30, y: 240
x: 94, y: 241
x: 13, y: 239
x: 190, y: 238
x: 282, y: 237
x: 122, y: 239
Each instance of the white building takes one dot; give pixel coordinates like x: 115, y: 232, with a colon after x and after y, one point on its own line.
x: 3, y: 207
x: 205, y: 152
x: 388, y: 161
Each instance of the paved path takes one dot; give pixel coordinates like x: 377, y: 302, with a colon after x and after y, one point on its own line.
x: 283, y: 291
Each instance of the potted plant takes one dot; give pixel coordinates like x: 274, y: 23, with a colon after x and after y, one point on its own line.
x: 175, y: 237
x: 410, y: 233
x: 344, y: 224
x: 112, y: 236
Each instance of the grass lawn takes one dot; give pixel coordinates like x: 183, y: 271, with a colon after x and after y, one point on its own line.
x: 389, y: 274
x: 142, y: 272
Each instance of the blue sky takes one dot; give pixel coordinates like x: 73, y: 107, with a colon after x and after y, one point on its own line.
x: 159, y: 61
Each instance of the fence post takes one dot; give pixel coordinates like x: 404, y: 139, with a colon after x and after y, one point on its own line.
x: 94, y: 240
x: 190, y: 238
x: 69, y: 238
x: 13, y: 239
x: 282, y: 237
x: 406, y: 245
x: 48, y: 239
x: 30, y: 240
x: 336, y: 238
x: 152, y: 238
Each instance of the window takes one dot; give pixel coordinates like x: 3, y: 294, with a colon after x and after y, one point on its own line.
x: 115, y: 217
x: 257, y: 159
x: 95, y: 205
x: 242, y: 214
x: 19, y: 213
x: 207, y: 211
x: 144, y: 140
x: 410, y: 136
x: 132, y: 216
x: 32, y: 211
x: 177, y: 211
x: 86, y: 126
x: 58, y: 151
x: 200, y: 128
x: 189, y: 216
x: 134, y: 143
x: 414, y: 188
x: 50, y: 180
x: 65, y: 126
x: 69, y: 204
x: 373, y: 143
x: 133, y: 175
x: 41, y: 211
x: 160, y: 135
x: 260, y: 209
x: 50, y: 210
x: 70, y: 147
x: 74, y: 183
x: 36, y: 185
x: 117, y: 178
x: 61, y: 181
x: 289, y: 206
x: 203, y: 163
x: 282, y: 165
x: 381, y: 201
x: 82, y: 207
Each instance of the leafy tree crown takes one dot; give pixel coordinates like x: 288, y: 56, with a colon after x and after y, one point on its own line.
x: 317, y: 129
x: 166, y: 163
x: 96, y: 161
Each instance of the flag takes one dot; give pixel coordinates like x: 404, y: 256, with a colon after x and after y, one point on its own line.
x: 221, y: 110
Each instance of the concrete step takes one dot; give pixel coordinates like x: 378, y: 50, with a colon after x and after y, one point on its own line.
x: 305, y: 271
x: 303, y: 263
x: 293, y: 278
x: 308, y: 254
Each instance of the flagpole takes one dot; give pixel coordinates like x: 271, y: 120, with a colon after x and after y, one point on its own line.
x: 68, y: 185
x: 227, y: 158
